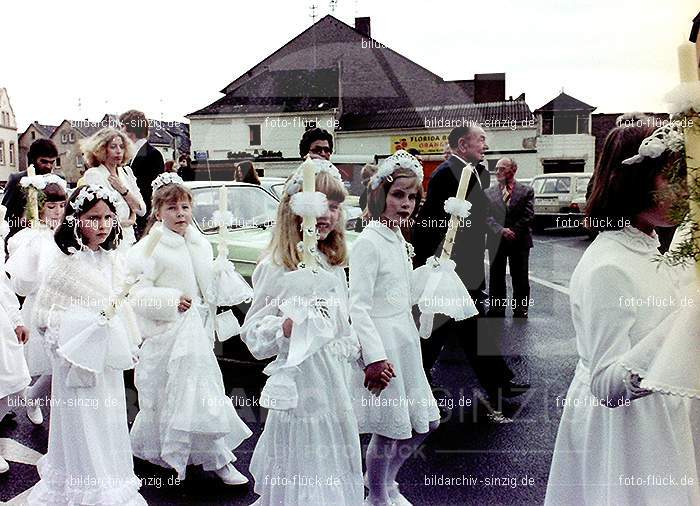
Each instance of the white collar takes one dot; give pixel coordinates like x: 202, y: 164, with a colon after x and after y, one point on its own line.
x: 139, y: 144
x: 391, y: 234
x: 173, y: 239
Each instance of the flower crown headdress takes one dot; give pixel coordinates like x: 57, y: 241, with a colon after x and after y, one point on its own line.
x: 666, y: 138
x: 91, y: 192
x: 40, y: 181
x: 166, y: 178
x: 401, y: 159
x: 295, y: 182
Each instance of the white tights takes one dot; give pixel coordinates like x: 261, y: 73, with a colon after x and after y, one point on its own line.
x: 384, y: 458
x: 40, y: 389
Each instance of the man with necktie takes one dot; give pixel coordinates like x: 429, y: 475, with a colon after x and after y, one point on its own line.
x: 467, y: 145
x: 509, y: 240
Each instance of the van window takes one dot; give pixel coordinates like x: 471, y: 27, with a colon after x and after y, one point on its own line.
x: 556, y: 185
x: 582, y: 184
x: 537, y: 185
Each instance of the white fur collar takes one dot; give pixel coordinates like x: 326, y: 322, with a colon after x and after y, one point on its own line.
x: 174, y: 240
x: 200, y: 252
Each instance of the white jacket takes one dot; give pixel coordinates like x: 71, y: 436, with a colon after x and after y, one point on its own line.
x: 179, y: 266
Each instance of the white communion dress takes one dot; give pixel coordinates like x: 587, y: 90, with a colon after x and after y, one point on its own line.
x: 185, y: 416
x: 14, y: 375
x: 380, y: 311
x: 308, y: 454
x: 31, y: 252
x: 89, y: 459
x: 617, y: 442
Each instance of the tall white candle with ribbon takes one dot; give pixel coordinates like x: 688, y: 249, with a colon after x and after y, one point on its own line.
x: 223, y: 227
x: 32, y: 200
x: 308, y: 224
x: 687, y: 64
x: 454, y: 220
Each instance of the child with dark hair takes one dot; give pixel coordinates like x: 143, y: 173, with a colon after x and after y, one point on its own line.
x: 613, y: 425
x: 32, y: 250
x: 92, y: 341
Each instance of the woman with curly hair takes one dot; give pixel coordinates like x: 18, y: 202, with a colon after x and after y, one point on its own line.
x: 106, y: 152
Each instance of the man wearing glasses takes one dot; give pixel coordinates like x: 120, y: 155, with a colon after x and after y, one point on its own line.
x: 316, y: 142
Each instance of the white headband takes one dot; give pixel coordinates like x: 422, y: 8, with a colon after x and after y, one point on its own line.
x: 92, y: 192
x: 40, y: 181
x: 668, y: 137
x: 166, y: 178
x: 297, y: 180
x: 401, y: 159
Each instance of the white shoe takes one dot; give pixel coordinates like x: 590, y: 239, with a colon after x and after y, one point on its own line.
x: 35, y: 415
x: 396, y: 496
x: 230, y: 475
x: 4, y: 466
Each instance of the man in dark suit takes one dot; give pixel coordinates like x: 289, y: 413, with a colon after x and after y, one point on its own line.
x: 147, y: 162
x: 509, y: 239
x: 42, y: 155
x: 467, y: 145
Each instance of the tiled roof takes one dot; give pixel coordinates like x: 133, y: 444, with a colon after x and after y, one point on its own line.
x: 281, y: 91
x: 490, y: 114
x: 371, y: 76
x: 45, y: 130
x: 565, y: 102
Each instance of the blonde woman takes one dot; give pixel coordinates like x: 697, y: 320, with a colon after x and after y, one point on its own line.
x: 106, y: 152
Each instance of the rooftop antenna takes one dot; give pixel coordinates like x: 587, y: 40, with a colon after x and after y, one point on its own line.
x: 313, y: 13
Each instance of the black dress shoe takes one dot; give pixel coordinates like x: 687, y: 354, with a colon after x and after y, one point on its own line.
x: 496, y: 313
x: 512, y: 389
x: 519, y: 314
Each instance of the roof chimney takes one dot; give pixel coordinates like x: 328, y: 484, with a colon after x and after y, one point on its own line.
x: 362, y: 25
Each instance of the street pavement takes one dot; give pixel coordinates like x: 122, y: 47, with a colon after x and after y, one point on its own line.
x: 468, y: 460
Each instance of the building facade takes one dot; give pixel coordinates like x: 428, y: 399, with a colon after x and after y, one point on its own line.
x: 371, y: 98
x: 9, y: 152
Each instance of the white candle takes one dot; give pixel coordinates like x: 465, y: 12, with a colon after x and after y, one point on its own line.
x: 223, y: 199
x: 688, y: 62
x: 454, y: 220
x: 308, y: 221
x: 32, y: 200
x: 223, y: 228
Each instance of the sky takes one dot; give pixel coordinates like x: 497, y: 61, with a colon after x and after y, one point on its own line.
x: 79, y: 59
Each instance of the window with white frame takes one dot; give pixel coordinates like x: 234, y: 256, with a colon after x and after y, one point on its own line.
x: 12, y: 153
x: 2, y: 152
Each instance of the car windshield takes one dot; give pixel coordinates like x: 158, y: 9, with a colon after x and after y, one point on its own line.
x: 554, y: 185
x: 251, y: 206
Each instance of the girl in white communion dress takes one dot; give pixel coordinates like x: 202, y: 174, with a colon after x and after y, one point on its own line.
x: 92, y: 341
x: 185, y: 416
x: 309, y: 452
x: 32, y: 250
x: 14, y: 376
x: 381, y: 282
x: 619, y: 442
